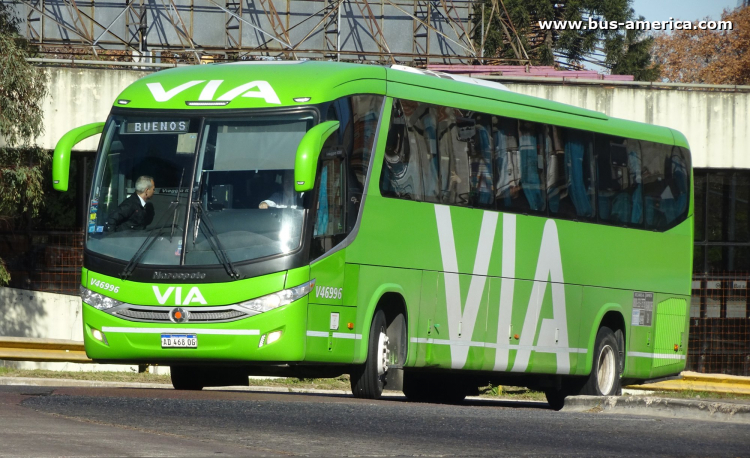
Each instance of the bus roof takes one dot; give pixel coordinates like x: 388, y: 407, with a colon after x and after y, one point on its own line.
x: 272, y: 84
x: 268, y: 83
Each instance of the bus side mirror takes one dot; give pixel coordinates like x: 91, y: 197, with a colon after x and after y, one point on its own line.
x: 308, y: 151
x: 61, y: 157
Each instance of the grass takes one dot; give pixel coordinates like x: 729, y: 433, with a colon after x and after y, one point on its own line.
x: 339, y: 383
x: 515, y: 393
x: 103, y: 376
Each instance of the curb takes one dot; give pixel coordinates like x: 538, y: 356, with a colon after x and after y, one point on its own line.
x: 694, y: 381
x: 660, y: 407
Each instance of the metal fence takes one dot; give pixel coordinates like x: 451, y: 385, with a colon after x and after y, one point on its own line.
x: 48, y: 261
x: 720, y: 325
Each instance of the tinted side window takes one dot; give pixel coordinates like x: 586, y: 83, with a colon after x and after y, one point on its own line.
x: 421, y: 125
x: 666, y: 184
x: 453, y: 151
x: 365, y: 111
x: 620, y: 183
x: 570, y: 173
x: 400, y: 176
x: 477, y: 129
x: 519, y: 166
x: 329, y: 227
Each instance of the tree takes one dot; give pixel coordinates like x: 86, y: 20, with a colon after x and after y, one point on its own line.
x: 707, y: 56
x: 22, y: 165
x: 512, y: 31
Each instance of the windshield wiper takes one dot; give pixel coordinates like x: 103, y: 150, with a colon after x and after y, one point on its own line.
x: 173, y: 206
x: 204, y: 221
x: 148, y: 241
x: 174, y: 214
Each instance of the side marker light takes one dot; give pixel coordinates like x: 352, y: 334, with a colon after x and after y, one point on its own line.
x: 516, y: 336
x: 350, y: 325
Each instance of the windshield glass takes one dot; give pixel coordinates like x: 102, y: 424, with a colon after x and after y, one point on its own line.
x: 244, y: 205
x: 245, y: 183
x: 153, y: 153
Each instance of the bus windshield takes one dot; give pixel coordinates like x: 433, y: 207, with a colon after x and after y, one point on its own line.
x: 241, y: 170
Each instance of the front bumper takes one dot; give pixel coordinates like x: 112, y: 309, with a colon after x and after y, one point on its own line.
x: 131, y: 342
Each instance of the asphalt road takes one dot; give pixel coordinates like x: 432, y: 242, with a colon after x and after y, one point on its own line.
x: 40, y: 421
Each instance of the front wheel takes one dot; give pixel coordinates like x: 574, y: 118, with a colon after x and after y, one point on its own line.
x: 187, y: 378
x: 368, y: 379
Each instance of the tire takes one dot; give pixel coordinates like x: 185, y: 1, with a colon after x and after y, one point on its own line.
x: 432, y: 388
x: 187, y: 378
x: 606, y: 371
x: 556, y: 398
x: 606, y: 368
x: 368, y: 379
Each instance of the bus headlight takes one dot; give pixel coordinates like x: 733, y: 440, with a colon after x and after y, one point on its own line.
x: 98, y: 301
x: 279, y: 299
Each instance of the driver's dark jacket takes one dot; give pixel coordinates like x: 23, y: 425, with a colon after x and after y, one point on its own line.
x: 131, y: 215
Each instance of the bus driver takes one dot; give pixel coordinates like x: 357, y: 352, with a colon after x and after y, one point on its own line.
x: 134, y: 212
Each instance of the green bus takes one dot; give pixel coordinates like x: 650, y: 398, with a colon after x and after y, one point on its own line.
x: 418, y: 231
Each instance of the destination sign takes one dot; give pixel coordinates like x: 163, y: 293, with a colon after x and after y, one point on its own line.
x: 162, y: 126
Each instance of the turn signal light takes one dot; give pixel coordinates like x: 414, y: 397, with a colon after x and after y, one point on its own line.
x: 676, y: 347
x: 350, y: 325
x: 515, y: 336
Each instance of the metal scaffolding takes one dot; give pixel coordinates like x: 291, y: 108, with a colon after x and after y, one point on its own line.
x: 214, y: 30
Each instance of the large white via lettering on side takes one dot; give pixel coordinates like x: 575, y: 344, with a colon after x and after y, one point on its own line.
x: 553, y: 332
x: 467, y: 316
x: 507, y: 287
x: 253, y: 89
x: 194, y: 295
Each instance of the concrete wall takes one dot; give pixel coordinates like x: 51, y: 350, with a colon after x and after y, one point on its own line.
x: 50, y: 316
x: 717, y: 124
x: 81, y: 96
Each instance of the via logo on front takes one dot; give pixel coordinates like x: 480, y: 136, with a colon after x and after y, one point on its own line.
x: 253, y: 89
x: 194, y: 295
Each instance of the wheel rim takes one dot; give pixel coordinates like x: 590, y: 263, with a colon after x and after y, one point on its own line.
x: 606, y: 372
x: 383, y: 353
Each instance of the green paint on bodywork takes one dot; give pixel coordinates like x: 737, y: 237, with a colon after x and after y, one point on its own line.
x: 61, y: 156
x: 396, y: 249
x: 329, y: 344
x: 316, y: 81
x: 133, y: 292
x: 146, y: 346
x: 308, y: 152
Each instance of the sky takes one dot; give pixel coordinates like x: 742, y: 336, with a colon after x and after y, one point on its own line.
x: 686, y: 10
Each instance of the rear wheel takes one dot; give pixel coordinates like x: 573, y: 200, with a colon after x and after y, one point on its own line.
x: 368, y: 379
x: 187, y: 378
x: 606, y: 369
x: 604, y: 379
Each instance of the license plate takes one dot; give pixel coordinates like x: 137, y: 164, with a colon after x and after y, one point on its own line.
x: 179, y: 341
